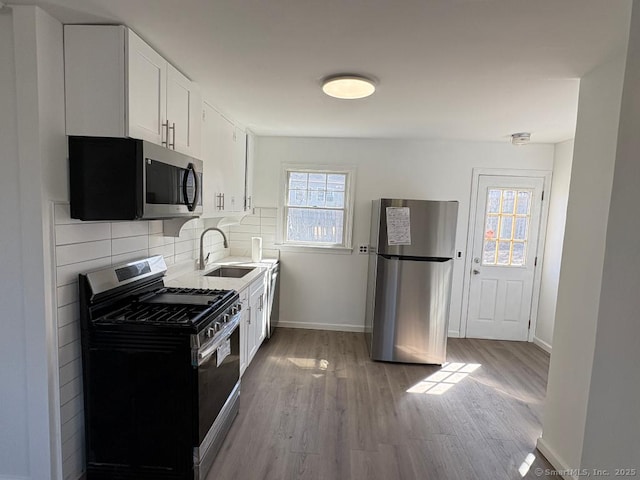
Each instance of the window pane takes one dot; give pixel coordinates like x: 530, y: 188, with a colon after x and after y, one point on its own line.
x: 489, y: 253
x: 491, y: 229
x: 518, y: 254
x: 317, y: 225
x: 318, y: 178
x: 297, y: 197
x: 523, y: 203
x: 339, y: 180
x: 316, y: 198
x: 521, y: 228
x: 503, y: 253
x: 493, y: 201
x: 508, y: 201
x: 298, y: 180
x: 506, y: 224
x: 335, y: 199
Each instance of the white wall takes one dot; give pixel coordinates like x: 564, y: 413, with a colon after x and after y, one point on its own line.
x: 14, y: 438
x: 582, y: 263
x: 612, y: 433
x: 332, y: 294
x: 562, y: 159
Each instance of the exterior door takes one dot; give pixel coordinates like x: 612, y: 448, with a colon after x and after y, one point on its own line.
x: 505, y: 239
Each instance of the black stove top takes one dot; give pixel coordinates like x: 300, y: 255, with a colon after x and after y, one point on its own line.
x: 170, y: 306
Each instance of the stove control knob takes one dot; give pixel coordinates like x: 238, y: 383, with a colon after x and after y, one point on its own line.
x: 234, y: 310
x: 217, y: 326
x: 225, y: 318
x: 239, y: 306
x: 210, y: 332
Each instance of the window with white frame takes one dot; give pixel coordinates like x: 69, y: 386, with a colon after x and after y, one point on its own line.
x: 317, y: 209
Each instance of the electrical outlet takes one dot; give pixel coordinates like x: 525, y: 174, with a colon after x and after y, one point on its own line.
x: 363, y: 249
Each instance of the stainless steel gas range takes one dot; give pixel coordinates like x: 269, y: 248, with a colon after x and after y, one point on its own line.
x: 161, y: 373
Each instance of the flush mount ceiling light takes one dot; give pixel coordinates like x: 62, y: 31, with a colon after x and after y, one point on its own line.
x: 348, y: 87
x: 521, y: 138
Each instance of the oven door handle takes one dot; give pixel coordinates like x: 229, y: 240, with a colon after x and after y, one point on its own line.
x: 206, y: 351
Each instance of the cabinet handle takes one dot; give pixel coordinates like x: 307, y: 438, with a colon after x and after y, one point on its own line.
x: 172, y: 127
x: 261, y: 301
x: 223, y: 201
x: 165, y: 126
x: 249, y: 202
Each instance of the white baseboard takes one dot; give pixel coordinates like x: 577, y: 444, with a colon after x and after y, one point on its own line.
x: 454, y: 334
x: 557, y: 463
x: 7, y: 477
x: 542, y: 344
x: 339, y: 327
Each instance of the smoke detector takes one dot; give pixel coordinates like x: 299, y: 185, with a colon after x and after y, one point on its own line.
x: 521, y: 138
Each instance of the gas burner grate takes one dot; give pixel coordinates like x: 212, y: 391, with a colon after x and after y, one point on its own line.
x: 155, y: 314
x: 193, y: 291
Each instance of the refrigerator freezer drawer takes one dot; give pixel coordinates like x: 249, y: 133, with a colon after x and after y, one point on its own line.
x: 411, y: 312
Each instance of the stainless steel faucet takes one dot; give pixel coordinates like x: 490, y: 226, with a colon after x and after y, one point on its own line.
x: 202, y: 260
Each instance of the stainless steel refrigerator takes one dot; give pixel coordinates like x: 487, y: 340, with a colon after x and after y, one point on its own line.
x: 411, y: 260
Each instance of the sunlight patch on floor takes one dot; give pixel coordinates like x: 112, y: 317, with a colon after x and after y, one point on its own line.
x: 439, y: 382
x: 526, y: 465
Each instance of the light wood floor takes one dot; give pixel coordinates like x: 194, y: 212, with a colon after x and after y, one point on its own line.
x: 313, y: 406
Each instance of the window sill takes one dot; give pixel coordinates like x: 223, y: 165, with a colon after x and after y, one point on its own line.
x: 287, y: 247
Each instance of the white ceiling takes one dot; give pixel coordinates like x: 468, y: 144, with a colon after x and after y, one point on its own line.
x: 453, y: 69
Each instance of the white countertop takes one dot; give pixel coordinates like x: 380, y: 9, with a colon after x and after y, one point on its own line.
x: 198, y: 279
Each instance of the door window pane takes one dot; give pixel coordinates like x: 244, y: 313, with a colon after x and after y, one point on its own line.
x: 506, y: 233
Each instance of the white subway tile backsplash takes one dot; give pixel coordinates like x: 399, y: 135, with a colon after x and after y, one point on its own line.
x: 268, y: 212
x: 80, y: 252
x: 155, y: 226
x: 70, y: 390
x: 182, y: 247
x: 70, y: 409
x: 69, y: 273
x: 75, y: 463
x: 181, y: 257
x: 82, y: 232
x: 73, y: 425
x: 129, y: 257
x: 129, y: 244
x: 69, y: 353
x: 268, y: 221
x: 72, y: 445
x: 129, y: 229
x: 68, y: 333
x: 70, y: 371
x: 67, y: 294
x: 68, y: 314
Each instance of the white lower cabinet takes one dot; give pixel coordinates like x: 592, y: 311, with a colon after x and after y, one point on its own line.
x: 244, y: 323
x: 253, y: 323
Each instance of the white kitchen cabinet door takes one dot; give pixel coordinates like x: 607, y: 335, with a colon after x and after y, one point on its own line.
x: 212, y: 181
x: 239, y: 169
x: 95, y: 80
x: 248, y: 174
x: 226, y: 154
x: 147, y: 93
x: 244, y: 323
x: 183, y: 113
x: 257, y: 328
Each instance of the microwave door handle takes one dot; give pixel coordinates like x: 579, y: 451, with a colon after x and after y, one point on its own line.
x: 190, y: 205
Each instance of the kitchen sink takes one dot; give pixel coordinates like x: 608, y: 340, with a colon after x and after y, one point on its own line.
x: 229, y: 272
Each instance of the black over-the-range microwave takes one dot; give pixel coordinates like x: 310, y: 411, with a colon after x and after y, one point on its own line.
x: 130, y: 179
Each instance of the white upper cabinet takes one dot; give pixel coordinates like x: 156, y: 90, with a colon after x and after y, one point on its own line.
x: 223, y: 154
x: 117, y: 85
x: 147, y: 91
x: 250, y: 156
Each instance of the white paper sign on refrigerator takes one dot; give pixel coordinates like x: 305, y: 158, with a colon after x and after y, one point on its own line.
x: 398, y: 226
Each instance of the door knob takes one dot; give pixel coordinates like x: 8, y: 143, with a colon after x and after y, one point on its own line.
x: 475, y: 271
